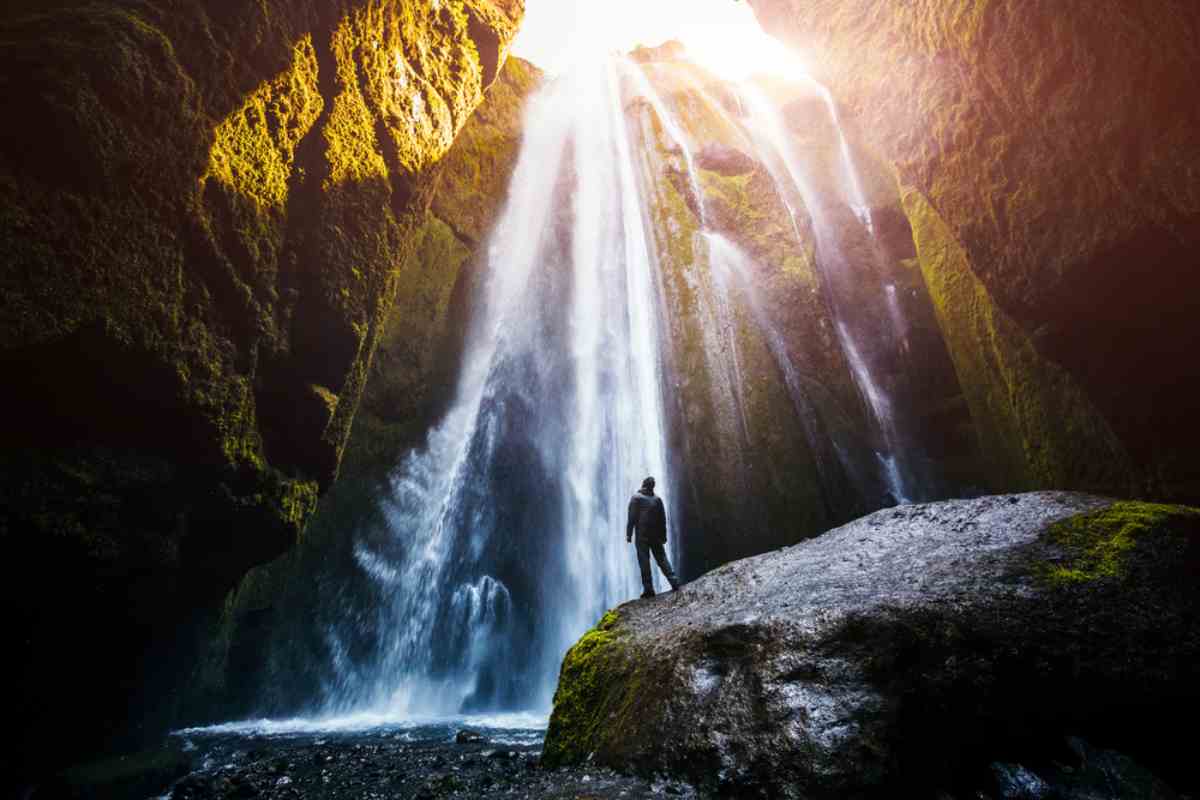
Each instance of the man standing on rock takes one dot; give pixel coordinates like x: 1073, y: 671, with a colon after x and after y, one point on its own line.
x: 648, y: 516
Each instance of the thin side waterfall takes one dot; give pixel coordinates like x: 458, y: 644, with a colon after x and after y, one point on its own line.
x: 647, y: 92
x: 504, y: 540
x: 896, y: 315
x: 766, y: 124
x: 858, y: 200
x: 732, y: 265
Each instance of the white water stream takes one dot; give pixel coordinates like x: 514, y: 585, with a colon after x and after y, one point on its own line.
x: 504, y: 535
x: 506, y: 532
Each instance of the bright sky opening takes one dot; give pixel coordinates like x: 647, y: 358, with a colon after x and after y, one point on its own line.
x: 721, y: 35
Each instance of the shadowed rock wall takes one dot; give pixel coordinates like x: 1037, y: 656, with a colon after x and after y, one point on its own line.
x: 267, y: 653
x: 1048, y: 153
x: 204, y: 208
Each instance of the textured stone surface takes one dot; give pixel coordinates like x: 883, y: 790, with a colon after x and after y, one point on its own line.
x: 205, y: 209
x: 1058, y: 144
x: 254, y: 655
x: 891, y: 653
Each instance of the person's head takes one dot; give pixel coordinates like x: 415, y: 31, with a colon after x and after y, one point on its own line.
x: 648, y: 485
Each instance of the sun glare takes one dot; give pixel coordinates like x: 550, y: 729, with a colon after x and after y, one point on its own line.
x: 720, y: 35
x: 735, y: 52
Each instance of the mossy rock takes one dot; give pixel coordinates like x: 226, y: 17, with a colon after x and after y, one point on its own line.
x: 837, y: 668
x: 1108, y: 544
x: 1079, y: 214
x: 247, y: 662
x: 1035, y: 425
x: 594, y: 704
x: 206, y: 213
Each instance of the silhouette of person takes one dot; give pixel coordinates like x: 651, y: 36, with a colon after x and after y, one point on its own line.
x: 649, y: 518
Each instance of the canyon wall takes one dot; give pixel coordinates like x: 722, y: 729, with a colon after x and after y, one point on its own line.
x: 1047, y: 155
x: 208, y: 210
x: 761, y: 276
x: 266, y: 653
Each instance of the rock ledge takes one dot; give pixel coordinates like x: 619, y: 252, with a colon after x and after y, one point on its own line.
x: 897, y: 651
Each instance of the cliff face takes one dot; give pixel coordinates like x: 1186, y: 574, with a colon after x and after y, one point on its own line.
x: 770, y: 428
x: 266, y: 652
x: 735, y: 432
x: 207, y: 212
x: 1048, y: 161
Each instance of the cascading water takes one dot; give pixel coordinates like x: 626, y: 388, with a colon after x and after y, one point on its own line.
x: 765, y: 122
x: 505, y: 534
x: 502, y: 538
x: 858, y: 200
x: 731, y: 265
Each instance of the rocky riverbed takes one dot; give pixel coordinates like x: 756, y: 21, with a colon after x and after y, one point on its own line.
x: 429, y: 762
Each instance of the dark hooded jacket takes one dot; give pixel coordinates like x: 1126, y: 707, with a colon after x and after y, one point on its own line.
x: 648, y: 516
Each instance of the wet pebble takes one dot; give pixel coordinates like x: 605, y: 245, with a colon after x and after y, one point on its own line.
x: 319, y: 769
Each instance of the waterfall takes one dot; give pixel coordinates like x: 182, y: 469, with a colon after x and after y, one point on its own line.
x: 505, y: 535
x: 732, y: 265
x: 667, y: 119
x: 766, y: 124
x: 502, y: 537
x: 725, y: 359
x: 858, y: 200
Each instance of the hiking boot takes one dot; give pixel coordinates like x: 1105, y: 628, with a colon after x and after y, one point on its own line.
x: 646, y: 595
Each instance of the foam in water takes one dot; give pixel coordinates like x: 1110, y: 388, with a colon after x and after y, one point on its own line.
x: 366, y: 721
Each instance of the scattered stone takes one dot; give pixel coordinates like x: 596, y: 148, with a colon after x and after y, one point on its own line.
x: 435, y: 768
x: 466, y: 736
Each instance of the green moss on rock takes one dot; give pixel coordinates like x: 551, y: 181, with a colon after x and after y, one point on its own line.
x: 1036, y: 428
x: 1078, y: 210
x: 206, y: 212
x: 596, y: 695
x: 1101, y: 544
x: 412, y: 371
x: 473, y: 181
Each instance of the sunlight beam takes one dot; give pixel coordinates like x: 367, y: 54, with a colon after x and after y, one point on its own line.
x: 719, y: 35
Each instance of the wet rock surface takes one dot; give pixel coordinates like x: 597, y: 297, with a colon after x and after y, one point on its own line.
x: 1083, y: 773
x: 725, y: 160
x: 903, y: 651
x: 206, y: 209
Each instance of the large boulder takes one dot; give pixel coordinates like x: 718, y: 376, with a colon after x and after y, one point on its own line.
x: 901, y: 651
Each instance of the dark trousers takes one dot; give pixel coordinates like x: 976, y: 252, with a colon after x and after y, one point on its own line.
x: 644, y: 549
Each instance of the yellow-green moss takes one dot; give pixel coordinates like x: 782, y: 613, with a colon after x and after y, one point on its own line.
x: 596, y: 694
x: 1035, y: 427
x: 254, y: 148
x: 298, y: 502
x: 748, y: 209
x: 1100, y: 543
